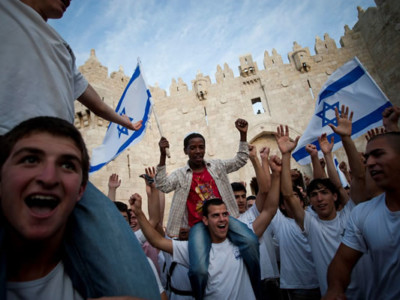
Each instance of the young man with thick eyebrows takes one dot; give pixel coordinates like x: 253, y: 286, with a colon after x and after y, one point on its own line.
x: 40, y: 78
x: 43, y: 174
x: 373, y: 226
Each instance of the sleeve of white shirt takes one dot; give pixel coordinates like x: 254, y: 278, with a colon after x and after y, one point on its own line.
x: 353, y: 237
x: 181, y: 252
x: 140, y: 236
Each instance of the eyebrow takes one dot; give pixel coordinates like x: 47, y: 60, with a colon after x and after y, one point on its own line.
x: 31, y: 150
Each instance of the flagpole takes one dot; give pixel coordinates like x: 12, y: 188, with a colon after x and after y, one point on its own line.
x: 160, y: 130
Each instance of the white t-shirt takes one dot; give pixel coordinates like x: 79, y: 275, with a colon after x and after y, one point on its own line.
x: 179, y: 279
x: 38, y: 73
x: 324, y: 238
x: 55, y: 285
x: 373, y: 228
x: 268, y: 261
x: 297, y: 265
x: 227, y: 274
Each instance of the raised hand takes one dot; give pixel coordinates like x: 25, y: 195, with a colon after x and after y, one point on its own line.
x: 344, y: 120
x: 136, y: 203
x: 264, y: 153
x: 324, y: 144
x: 241, y: 125
x: 113, y: 181
x: 373, y: 132
x: 391, y: 118
x: 252, y: 151
x: 149, y: 176
x: 285, y: 144
x: 275, y: 164
x: 312, y: 150
x: 163, y: 144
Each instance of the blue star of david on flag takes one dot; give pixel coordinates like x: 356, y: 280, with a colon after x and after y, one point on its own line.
x: 136, y: 103
x: 323, y: 114
x: 122, y: 129
x: 352, y: 86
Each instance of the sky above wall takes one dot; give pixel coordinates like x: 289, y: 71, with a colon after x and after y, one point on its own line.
x: 178, y: 38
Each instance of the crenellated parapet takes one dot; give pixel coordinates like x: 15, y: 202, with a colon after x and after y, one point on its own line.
x: 177, y: 87
x: 274, y: 60
x: 223, y: 74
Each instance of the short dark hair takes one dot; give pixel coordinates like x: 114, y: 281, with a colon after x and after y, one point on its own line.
x: 213, y: 201
x: 319, y: 183
x: 122, y: 207
x: 192, y: 136
x: 251, y: 197
x: 392, y: 137
x: 238, y: 186
x: 51, y: 125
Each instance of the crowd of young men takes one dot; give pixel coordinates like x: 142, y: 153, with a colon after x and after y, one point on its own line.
x: 61, y: 238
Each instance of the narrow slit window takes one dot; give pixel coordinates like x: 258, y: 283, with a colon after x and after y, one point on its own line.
x: 310, y: 88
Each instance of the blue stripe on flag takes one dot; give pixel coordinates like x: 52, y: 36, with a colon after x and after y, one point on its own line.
x: 346, y: 80
x: 135, y: 134
x: 358, y: 126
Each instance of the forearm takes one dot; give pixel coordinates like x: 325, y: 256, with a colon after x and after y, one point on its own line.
x: 263, y: 184
x: 332, y: 172
x: 152, y: 235
x: 92, y: 100
x: 286, y: 179
x: 153, y: 206
x: 318, y: 171
x: 112, y: 194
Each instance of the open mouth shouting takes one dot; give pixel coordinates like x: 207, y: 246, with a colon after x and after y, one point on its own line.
x: 42, y: 206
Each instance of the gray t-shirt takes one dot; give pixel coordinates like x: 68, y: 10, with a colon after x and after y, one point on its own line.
x: 55, y: 285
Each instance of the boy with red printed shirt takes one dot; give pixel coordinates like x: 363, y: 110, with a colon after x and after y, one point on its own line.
x: 195, y: 183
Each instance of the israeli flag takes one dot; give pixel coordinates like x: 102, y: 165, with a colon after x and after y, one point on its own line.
x: 136, y: 103
x: 352, y: 86
x: 342, y: 177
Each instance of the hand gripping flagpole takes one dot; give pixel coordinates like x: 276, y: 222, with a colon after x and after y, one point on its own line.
x: 160, y: 130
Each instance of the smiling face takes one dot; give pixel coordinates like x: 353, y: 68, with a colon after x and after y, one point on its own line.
x: 41, y: 181
x: 196, y: 149
x: 241, y: 200
x: 383, y: 162
x: 217, y: 222
x: 323, y: 202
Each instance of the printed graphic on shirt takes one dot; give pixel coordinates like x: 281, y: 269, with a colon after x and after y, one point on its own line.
x: 203, y: 188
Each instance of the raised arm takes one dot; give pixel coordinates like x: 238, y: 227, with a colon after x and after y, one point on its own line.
x: 318, y: 171
x: 357, y: 168
x: 326, y: 148
x: 270, y: 206
x: 391, y: 118
x: 242, y: 126
x: 92, y: 100
x: 152, y: 236
x: 260, y: 177
x: 286, y: 146
x: 339, y: 272
x: 113, y: 183
x: 153, y: 202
